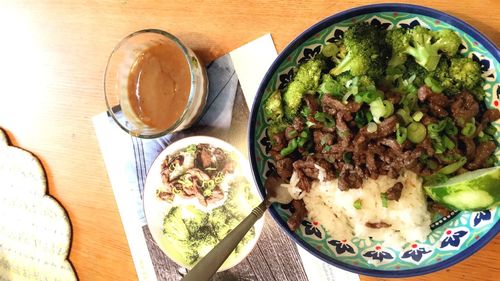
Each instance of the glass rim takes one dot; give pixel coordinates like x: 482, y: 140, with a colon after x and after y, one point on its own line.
x: 192, y: 90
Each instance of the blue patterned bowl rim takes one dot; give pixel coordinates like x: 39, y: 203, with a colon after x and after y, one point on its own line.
x: 336, y: 18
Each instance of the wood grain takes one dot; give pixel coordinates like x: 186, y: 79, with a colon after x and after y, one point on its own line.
x: 53, y: 57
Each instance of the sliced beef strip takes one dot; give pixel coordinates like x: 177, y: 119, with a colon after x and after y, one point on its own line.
x: 354, y: 106
x: 296, y: 218
x: 438, y: 104
x: 203, y: 157
x: 290, y: 133
x: 371, y: 164
x: 329, y: 175
x: 440, y: 209
x: 275, y: 155
x: 333, y: 105
x: 284, y: 168
x: 304, y: 182
x: 307, y: 167
x: 298, y: 124
x: 483, y: 151
x: 426, y: 145
x: 470, y: 147
x: 423, y: 93
x: 312, y: 103
x: 490, y: 115
x: 394, y: 193
x: 377, y: 225
x: 321, y: 139
x: 349, y: 178
x: 393, y: 97
x: 342, y: 127
x: 427, y: 119
x: 464, y: 108
x: 279, y: 141
x: 391, y: 143
x: 385, y: 128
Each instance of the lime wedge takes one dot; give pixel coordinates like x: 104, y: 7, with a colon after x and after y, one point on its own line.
x: 472, y: 191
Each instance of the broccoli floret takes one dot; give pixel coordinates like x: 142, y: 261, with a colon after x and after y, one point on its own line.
x: 457, y: 74
x: 465, y: 72
x: 413, y: 69
x: 276, y: 127
x: 306, y: 79
x: 442, y: 74
x: 366, y: 53
x: 273, y: 107
x: 331, y: 86
x: 425, y: 45
x: 399, y: 41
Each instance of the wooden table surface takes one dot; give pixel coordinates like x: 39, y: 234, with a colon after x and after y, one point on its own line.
x: 53, y: 55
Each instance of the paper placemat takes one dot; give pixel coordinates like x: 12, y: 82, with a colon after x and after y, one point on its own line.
x: 35, y: 232
x: 128, y: 159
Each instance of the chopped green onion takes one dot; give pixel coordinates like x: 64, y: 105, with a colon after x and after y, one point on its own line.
x: 347, y: 157
x: 185, y: 181
x: 360, y: 118
x: 191, y: 149
x: 401, y: 135
x: 377, y: 108
x: 404, y: 115
x: 485, y: 138
x: 436, y: 127
x: 369, y: 116
x: 357, y: 204
x: 325, y: 118
x: 293, y: 134
x: 368, y: 96
x: 389, y: 108
x: 450, y: 169
x: 306, y: 111
x: 291, y: 147
x: 416, y: 132
x: 469, y: 129
x: 410, y: 100
x: 411, y: 79
x: 371, y: 127
x: 327, y: 148
x: 310, y: 124
x: 490, y: 130
x: 450, y: 129
x: 433, y: 84
x: 431, y: 164
x: 417, y: 116
x: 304, y: 136
x: 383, y: 197
x: 448, y: 143
x: 438, y: 146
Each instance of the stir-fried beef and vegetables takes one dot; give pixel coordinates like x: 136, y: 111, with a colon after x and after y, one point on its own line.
x: 197, y: 171
x: 379, y: 102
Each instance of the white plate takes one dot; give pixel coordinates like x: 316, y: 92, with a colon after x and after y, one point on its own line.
x: 155, y: 209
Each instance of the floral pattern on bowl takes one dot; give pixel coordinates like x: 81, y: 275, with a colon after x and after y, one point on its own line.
x: 453, y: 238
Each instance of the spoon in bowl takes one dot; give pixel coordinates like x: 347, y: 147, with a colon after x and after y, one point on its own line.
x: 208, y: 265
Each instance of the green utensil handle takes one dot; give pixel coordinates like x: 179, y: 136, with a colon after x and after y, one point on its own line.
x: 208, y: 265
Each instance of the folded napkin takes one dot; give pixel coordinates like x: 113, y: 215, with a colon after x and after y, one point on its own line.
x: 128, y: 158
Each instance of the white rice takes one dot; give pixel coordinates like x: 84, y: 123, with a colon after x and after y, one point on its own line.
x: 334, y: 209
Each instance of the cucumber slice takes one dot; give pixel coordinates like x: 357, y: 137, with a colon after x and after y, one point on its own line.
x: 472, y: 191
